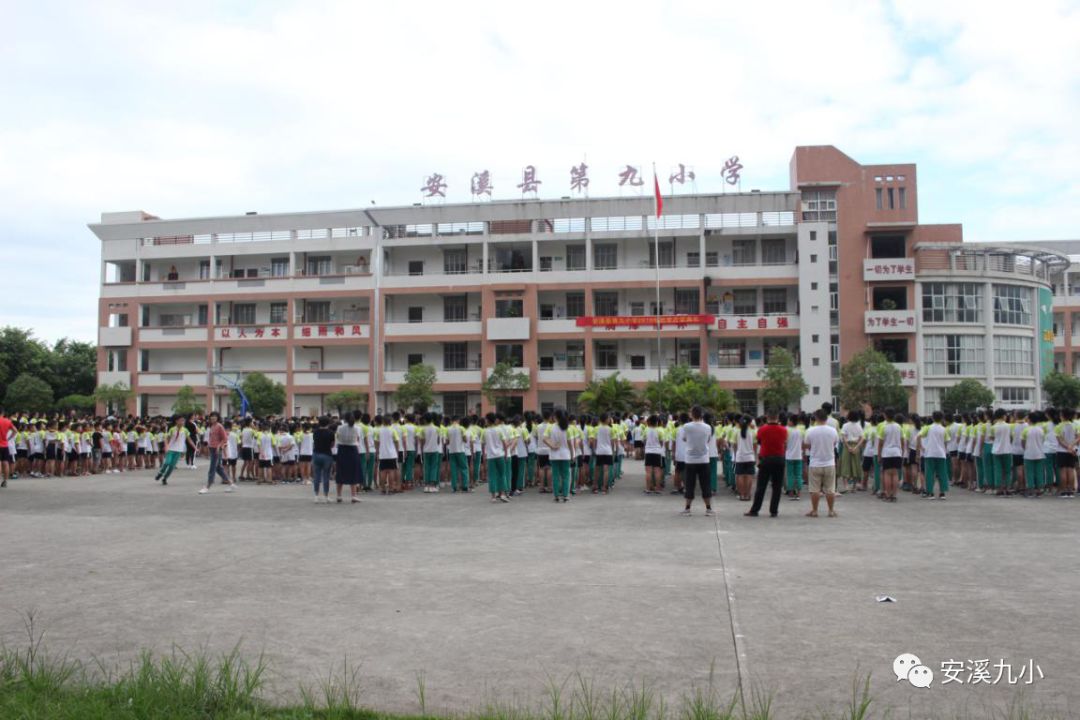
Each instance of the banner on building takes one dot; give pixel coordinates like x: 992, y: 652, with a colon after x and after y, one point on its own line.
x: 638, y: 321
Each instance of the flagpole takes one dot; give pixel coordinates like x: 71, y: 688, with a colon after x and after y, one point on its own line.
x: 656, y: 251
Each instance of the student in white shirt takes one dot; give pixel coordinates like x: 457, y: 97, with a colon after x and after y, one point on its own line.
x: 177, y: 440
x: 891, y: 450
x: 935, y: 439
x: 745, y: 458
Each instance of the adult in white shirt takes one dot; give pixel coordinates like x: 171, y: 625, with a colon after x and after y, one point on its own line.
x: 696, y: 437
x: 821, y: 441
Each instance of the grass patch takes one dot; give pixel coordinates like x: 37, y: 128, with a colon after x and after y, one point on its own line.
x: 181, y: 685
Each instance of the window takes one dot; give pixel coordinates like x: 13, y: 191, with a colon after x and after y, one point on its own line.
x: 745, y: 302
x: 317, y: 312
x: 813, y: 258
x: 689, y: 353
x: 547, y: 311
x: 575, y: 257
x: 747, y: 400
x: 952, y: 302
x: 1012, y: 305
x: 509, y: 308
x: 731, y: 354
x: 667, y: 254
x: 894, y: 349
x: 1013, y: 356
x: 455, y: 404
x: 203, y: 316
x: 637, y: 362
x: 1014, y: 395
x: 605, y: 302
x: 712, y: 258
x: 693, y: 259
x: 815, y: 338
x: 414, y: 359
x: 575, y: 304
x: 954, y: 355
x: 455, y: 356
x: 575, y: 355
x: 605, y: 256
x: 278, y: 312
x: 545, y: 263
x: 773, y: 251
x: 888, y: 246
x: 416, y: 314
x: 813, y: 235
x: 416, y: 267
x: 279, y: 267
x: 318, y: 265
x: 903, y: 198
x: 878, y: 195
x: 455, y: 308
x: 547, y: 363
x: 686, y: 301
x: 513, y: 353
x: 743, y: 252
x: 774, y: 301
x: 819, y: 205
x: 813, y: 286
x: 637, y: 308
x: 243, y: 314
x: 607, y: 356
x: 204, y: 269
x: 455, y: 261
x: 892, y: 199
x: 889, y: 297
x: 932, y: 399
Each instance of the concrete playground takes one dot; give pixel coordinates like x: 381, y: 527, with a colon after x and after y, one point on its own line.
x: 494, y: 602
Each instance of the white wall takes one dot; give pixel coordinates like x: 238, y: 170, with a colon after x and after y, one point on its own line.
x: 252, y: 358
x: 814, y: 322
x: 179, y: 360
x: 332, y: 357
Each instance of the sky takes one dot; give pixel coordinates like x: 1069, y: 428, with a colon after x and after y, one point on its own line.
x: 202, y: 108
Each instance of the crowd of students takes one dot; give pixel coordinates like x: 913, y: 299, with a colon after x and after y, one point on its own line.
x: 1019, y: 453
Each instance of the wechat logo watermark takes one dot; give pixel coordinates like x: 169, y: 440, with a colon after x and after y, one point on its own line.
x: 909, y: 667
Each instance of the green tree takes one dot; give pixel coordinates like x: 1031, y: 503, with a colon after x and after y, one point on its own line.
x: 415, y: 392
x: 21, y: 353
x: 1062, y: 389
x: 870, y: 379
x: 504, y: 380
x: 967, y: 396
x: 612, y: 394
x: 187, y: 402
x: 265, y: 396
x: 77, y: 402
x: 346, y: 400
x: 681, y: 388
x: 29, y: 393
x: 784, y: 384
x: 72, y: 368
x: 113, y: 396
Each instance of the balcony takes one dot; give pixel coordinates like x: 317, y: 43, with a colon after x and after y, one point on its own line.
x: 325, y: 378
x: 888, y: 269
x: 442, y: 377
x: 756, y: 323
x: 889, y: 321
x: 563, y: 375
x: 332, y: 331
x: 508, y: 328
x: 184, y: 287
x: 636, y: 375
x: 184, y: 333
x: 111, y: 377
x: 114, y: 336
x: 251, y: 333
x: 561, y: 325
x: 741, y: 374
x: 434, y: 329
x: 171, y: 379
x: 754, y: 271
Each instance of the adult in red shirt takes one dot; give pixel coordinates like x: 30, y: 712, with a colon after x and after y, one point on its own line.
x: 772, y: 441
x: 6, y: 454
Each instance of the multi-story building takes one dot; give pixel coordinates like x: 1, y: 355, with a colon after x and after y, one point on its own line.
x: 326, y: 301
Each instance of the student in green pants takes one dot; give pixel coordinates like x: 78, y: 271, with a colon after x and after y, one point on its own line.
x: 1033, y: 440
x: 495, y: 453
x: 560, y: 453
x: 408, y: 438
x: 457, y: 451
x: 793, y: 457
x: 935, y: 458
x: 432, y: 448
x: 1001, y: 453
x: 476, y: 453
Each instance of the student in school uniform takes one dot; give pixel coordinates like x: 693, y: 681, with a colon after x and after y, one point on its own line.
x: 560, y: 454
x: 177, y: 440
x: 495, y: 449
x: 745, y: 458
x: 793, y: 456
x: 431, y: 446
x: 1066, y: 457
x: 935, y: 456
x: 891, y: 450
x: 1033, y: 441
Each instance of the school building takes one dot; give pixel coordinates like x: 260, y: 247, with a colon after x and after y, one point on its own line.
x: 567, y: 290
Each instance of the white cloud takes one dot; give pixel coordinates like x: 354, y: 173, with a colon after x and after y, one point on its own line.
x: 190, y: 109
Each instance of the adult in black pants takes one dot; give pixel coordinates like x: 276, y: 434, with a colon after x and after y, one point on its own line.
x: 772, y: 441
x: 696, y: 469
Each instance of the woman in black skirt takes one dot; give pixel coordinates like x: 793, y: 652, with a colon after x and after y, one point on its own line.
x: 348, y: 465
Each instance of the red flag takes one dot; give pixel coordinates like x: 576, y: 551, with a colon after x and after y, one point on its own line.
x: 659, y: 199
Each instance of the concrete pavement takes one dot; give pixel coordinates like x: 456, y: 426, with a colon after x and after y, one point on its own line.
x: 493, y: 602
